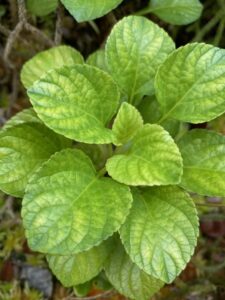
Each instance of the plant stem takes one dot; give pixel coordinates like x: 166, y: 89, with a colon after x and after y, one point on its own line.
x: 210, y: 204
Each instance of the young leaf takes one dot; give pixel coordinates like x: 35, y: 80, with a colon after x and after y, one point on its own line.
x: 68, y: 209
x: 176, y: 12
x: 97, y: 59
x: 86, y: 10
x: 77, y: 102
x: 153, y: 159
x: 150, y: 111
x: 23, y: 148
x: 128, y: 121
x: 78, y: 268
x: 41, y: 7
x: 203, y: 152
x: 46, y: 60
x: 127, y: 278
x: 190, y: 85
x: 135, y: 49
x: 161, y: 231
x: 25, y: 116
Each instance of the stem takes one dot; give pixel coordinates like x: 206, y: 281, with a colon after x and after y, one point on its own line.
x: 102, y: 172
x: 144, y: 11
x: 219, y: 33
x: 210, y: 204
x: 103, y: 295
x: 205, y: 29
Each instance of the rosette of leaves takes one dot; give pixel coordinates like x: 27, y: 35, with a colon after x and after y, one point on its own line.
x: 102, y: 188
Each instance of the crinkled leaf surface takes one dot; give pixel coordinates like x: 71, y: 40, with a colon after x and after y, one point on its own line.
x: 67, y: 209
x: 127, y: 278
x: 128, y: 121
x: 41, y: 7
x: 86, y: 10
x: 153, y: 159
x: 176, y: 12
x: 23, y: 148
x: 46, y: 60
x: 161, y: 231
x: 135, y: 49
x: 150, y: 111
x: 190, y: 85
x: 97, y: 59
x: 77, y: 102
x: 76, y: 269
x: 25, y: 116
x: 203, y: 153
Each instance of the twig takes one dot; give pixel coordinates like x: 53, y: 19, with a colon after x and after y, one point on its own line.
x: 58, y: 26
x: 39, y: 34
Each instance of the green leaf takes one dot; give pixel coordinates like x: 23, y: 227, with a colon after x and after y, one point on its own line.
x: 176, y: 12
x: 82, y: 290
x: 135, y: 49
x: 77, y: 102
x: 160, y: 233
x: 97, y: 59
x: 25, y: 116
x: 46, y: 60
x: 203, y: 152
x: 190, y: 85
x: 127, y: 278
x: 68, y: 209
x: 78, y: 268
x: 86, y: 10
x: 23, y: 148
x: 41, y: 8
x: 128, y: 121
x: 150, y: 111
x: 153, y: 159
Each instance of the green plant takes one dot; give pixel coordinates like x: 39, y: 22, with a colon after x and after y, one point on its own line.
x: 93, y: 173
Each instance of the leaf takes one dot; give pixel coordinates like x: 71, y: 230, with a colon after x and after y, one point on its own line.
x: 203, y: 152
x: 86, y: 10
x: 135, y: 49
x: 46, y: 60
x: 25, y: 116
x: 176, y: 12
x: 97, y: 59
x: 153, y: 159
x: 150, y: 111
x: 41, y: 8
x: 161, y: 231
x: 77, y: 102
x: 23, y: 148
x: 190, y: 85
x: 128, y: 121
x: 68, y: 209
x: 78, y: 268
x: 127, y: 278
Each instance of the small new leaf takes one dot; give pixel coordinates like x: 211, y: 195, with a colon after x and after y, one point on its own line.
x: 161, y: 231
x: 77, y: 102
x: 68, y: 209
x: 86, y: 10
x: 128, y: 121
x: 46, y: 60
x: 23, y: 148
x: 127, y: 278
x: 190, y: 85
x: 135, y: 49
x: 153, y: 159
x: 203, y: 153
x: 76, y: 269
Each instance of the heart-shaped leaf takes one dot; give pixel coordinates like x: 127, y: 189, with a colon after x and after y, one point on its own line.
x: 68, y: 209
x: 135, y: 49
x: 203, y: 153
x: 160, y: 233
x: 190, y: 85
x: 77, y: 102
x: 153, y: 159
